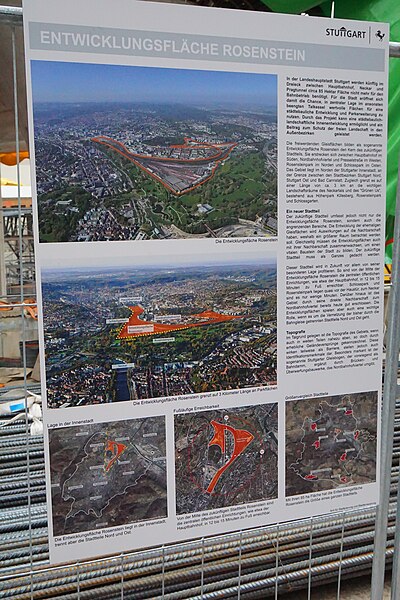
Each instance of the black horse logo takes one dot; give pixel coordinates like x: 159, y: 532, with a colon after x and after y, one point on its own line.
x: 380, y: 35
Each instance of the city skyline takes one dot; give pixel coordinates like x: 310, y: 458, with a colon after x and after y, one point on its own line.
x: 55, y: 82
x: 155, y: 267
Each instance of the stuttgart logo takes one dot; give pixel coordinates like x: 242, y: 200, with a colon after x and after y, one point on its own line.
x: 345, y: 33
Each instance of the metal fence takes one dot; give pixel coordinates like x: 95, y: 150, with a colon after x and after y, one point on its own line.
x: 257, y: 563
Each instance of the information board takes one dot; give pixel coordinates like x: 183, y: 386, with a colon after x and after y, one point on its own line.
x: 209, y: 220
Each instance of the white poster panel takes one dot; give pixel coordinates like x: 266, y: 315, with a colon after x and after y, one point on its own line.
x: 209, y: 220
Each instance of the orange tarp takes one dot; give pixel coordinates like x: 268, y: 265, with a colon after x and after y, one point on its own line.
x: 10, y: 158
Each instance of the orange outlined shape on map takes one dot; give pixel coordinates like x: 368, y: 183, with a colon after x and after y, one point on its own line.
x: 242, y: 439
x: 207, y: 317
x: 116, y: 449
x: 218, y: 153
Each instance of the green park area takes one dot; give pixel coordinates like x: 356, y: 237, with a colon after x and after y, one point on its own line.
x: 56, y: 220
x: 241, y: 188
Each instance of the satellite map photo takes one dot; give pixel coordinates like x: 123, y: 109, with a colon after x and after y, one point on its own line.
x: 330, y: 442
x: 137, y: 153
x: 226, y: 457
x: 174, y: 327
x: 107, y: 474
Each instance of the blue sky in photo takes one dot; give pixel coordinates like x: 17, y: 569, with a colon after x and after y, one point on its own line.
x: 85, y: 82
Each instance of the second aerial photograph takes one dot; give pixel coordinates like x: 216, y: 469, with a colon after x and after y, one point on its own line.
x: 122, y: 327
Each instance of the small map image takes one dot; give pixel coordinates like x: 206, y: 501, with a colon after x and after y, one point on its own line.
x: 127, y: 330
x: 140, y: 153
x: 108, y: 474
x: 330, y: 442
x: 226, y: 457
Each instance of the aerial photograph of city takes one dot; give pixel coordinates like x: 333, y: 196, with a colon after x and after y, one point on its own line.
x: 226, y: 457
x: 137, y: 153
x: 170, y: 326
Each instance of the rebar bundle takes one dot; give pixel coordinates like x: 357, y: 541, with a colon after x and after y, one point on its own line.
x: 260, y: 561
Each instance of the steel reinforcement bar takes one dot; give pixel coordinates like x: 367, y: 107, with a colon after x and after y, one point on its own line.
x: 270, y: 558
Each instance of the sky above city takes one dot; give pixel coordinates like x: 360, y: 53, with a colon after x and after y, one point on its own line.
x: 82, y: 82
x: 98, y: 255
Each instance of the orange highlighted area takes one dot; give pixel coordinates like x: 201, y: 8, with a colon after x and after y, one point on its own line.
x: 242, y: 439
x: 226, y: 457
x: 179, y: 168
x: 136, y: 327
x: 113, y: 451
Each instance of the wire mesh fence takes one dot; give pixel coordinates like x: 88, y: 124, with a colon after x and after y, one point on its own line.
x: 258, y: 563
